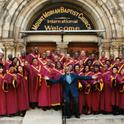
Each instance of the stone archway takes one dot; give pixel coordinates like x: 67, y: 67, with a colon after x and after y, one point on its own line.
x: 16, y: 16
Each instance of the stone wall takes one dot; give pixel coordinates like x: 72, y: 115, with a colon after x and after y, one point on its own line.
x: 16, y: 14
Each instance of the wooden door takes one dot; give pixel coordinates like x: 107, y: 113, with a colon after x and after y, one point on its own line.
x: 43, y: 46
x: 79, y: 46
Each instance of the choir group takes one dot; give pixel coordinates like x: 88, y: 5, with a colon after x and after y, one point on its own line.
x: 23, y: 84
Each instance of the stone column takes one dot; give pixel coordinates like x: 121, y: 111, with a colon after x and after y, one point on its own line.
x: 9, y: 48
x: 63, y: 46
x: 106, y: 47
x: 19, y: 47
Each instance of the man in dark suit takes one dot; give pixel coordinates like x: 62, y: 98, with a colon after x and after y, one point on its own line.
x: 69, y: 82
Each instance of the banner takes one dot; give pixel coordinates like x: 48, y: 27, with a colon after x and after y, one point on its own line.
x: 61, y: 17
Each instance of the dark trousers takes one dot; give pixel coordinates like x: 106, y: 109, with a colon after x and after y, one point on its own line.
x: 67, y: 107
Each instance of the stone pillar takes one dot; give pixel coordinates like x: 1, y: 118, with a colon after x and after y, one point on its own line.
x: 63, y: 46
x: 19, y: 46
x: 9, y: 49
x: 106, y: 47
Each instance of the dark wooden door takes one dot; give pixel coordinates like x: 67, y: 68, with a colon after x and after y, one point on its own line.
x: 42, y: 46
x: 88, y: 47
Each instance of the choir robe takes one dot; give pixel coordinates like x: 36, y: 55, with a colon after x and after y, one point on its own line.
x: 87, y: 91
x: 96, y: 94
x: 44, y: 99
x: 115, y: 92
x: 11, y: 95
x: 22, y: 60
x: 120, y: 79
x: 22, y: 92
x: 34, y: 83
x: 84, y: 59
x: 7, y: 64
x: 56, y: 89
x: 106, y: 105
x: 31, y: 56
x: 2, y: 97
x: 68, y: 62
x: 102, y: 60
x: 42, y: 62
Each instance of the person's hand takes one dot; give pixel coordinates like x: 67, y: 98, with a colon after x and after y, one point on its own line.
x: 94, y: 77
x: 46, y: 78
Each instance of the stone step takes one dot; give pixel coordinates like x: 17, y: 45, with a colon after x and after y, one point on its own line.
x: 11, y: 120
x: 97, y: 119
x: 39, y: 116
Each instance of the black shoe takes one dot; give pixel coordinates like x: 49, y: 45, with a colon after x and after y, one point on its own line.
x: 77, y: 116
x: 68, y: 116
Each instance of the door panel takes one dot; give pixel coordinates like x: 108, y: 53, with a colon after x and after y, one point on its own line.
x: 79, y: 46
x: 42, y: 46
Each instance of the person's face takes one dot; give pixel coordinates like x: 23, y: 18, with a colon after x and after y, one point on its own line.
x: 67, y: 69
x: 26, y: 63
x: 87, y: 68
x: 114, y: 70
x: 58, y: 64
x: 48, y: 53
x: 1, y: 56
x: 105, y: 67
x: 103, y: 54
x: 122, y: 71
x: 108, y: 63
x: 20, y: 69
x: 71, y: 67
x: 68, y: 57
x: 83, y: 53
x: 117, y: 61
x: 89, y: 63
x: 92, y: 56
x: 96, y: 69
x: 77, y: 68
x: 11, y: 69
x: 44, y: 55
x: 1, y: 70
x: 23, y: 53
x: 58, y: 51
x: 56, y: 58
x: 10, y: 56
x: 49, y: 63
x: 35, y: 62
x: 112, y: 56
x: 76, y: 54
x: 15, y: 60
x: 36, y: 50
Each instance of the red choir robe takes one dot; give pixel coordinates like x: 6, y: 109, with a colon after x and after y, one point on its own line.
x: 7, y: 64
x: 87, y: 91
x: 75, y: 61
x: 11, y: 95
x: 2, y: 97
x: 34, y: 82
x: 22, y: 92
x: 103, y: 60
x: 31, y: 56
x: 96, y: 94
x: 115, y: 93
x: 120, y: 79
x: 44, y: 99
x: 68, y: 62
x: 84, y: 59
x: 62, y: 56
x: 42, y: 62
x: 106, y: 105
x: 56, y: 89
x: 22, y: 60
